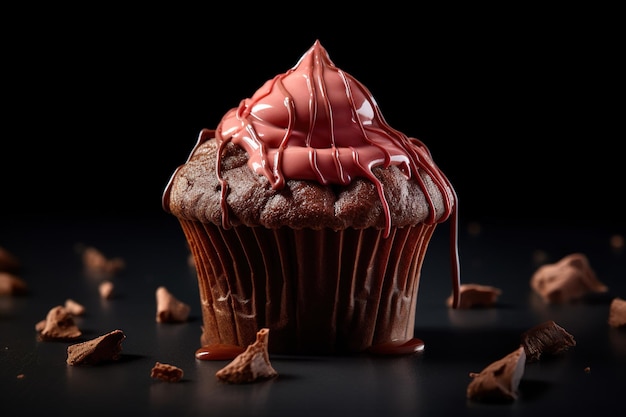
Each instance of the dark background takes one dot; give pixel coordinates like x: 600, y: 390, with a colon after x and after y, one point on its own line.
x: 522, y: 109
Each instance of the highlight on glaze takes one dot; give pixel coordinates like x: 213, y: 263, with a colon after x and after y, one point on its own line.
x: 316, y: 122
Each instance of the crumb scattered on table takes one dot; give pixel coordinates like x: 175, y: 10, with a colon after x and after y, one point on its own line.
x: 251, y: 365
x: 166, y: 372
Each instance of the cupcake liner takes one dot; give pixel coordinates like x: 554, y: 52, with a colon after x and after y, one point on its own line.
x: 318, y: 291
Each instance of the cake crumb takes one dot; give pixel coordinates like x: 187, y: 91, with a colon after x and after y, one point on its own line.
x: 74, y: 307
x: 11, y: 284
x: 587, y: 369
x: 169, y: 308
x: 58, y: 325
x: 166, y: 372
x: 97, y: 265
x: 106, y: 289
x: 475, y: 296
x: 499, y: 381
x: 546, y: 338
x: 617, y: 312
x: 105, y: 348
x: 251, y: 365
x: 567, y: 280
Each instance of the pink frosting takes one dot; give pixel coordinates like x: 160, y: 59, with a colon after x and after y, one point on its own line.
x: 316, y: 122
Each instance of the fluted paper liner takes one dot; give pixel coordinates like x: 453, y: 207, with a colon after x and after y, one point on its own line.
x: 318, y: 291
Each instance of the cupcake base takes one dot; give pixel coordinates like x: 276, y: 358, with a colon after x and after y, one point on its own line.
x: 318, y: 291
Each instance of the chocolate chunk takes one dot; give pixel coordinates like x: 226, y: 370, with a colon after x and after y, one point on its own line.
x: 499, y: 381
x: 169, y: 308
x: 567, y: 280
x: 58, y: 325
x: 617, y: 312
x: 106, y: 289
x: 74, y: 307
x: 97, y: 265
x: 546, y: 338
x: 251, y: 365
x: 476, y: 295
x: 166, y: 372
x: 105, y: 348
x: 11, y: 284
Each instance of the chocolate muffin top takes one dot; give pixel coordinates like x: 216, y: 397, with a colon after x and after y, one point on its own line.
x: 195, y: 194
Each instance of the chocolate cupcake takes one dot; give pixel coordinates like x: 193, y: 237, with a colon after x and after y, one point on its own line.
x: 308, y: 215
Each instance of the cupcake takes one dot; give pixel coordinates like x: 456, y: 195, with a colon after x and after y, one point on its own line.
x: 308, y: 215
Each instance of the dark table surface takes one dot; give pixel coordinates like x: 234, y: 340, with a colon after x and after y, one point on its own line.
x: 429, y: 383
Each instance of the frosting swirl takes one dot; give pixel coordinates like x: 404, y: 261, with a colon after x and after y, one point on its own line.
x: 316, y: 122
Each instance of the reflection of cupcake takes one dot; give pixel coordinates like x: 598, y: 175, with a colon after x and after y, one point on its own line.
x: 308, y: 215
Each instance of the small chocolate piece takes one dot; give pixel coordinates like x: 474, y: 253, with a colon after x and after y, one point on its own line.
x: 74, y: 307
x: 250, y: 366
x: 169, y: 308
x: 105, y: 348
x: 166, y: 372
x: 546, y: 338
x: 58, y: 325
x: 106, y: 289
x: 567, y: 280
x: 98, y: 265
x: 617, y: 312
x: 475, y: 296
x: 499, y: 381
x: 8, y: 261
x: 11, y: 284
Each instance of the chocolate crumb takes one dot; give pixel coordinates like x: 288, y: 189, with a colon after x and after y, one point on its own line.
x: 166, y: 372
x: 105, y: 348
x: 499, y: 381
x: 11, y: 284
x: 98, y: 265
x: 74, y: 307
x: 251, y: 365
x: 106, y: 289
x: 58, y: 325
x: 169, y: 308
x: 546, y: 338
x: 476, y: 296
x: 587, y: 369
x: 617, y: 312
x: 567, y: 280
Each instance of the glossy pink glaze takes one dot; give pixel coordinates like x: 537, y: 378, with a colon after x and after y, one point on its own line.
x: 316, y: 122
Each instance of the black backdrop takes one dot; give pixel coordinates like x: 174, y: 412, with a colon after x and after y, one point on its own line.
x: 522, y: 110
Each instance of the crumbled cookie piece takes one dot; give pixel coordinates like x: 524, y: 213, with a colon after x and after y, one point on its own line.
x: 499, y: 381
x: 546, y: 338
x: 11, y: 284
x: 105, y: 348
x: 166, y: 372
x: 8, y: 261
x: 74, y: 307
x: 169, y: 308
x: 567, y: 280
x: 58, y: 325
x: 106, y: 289
x: 97, y: 265
x: 251, y: 365
x: 617, y: 312
x: 476, y: 296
